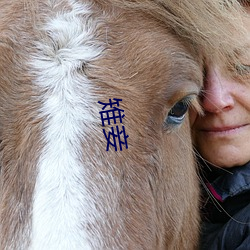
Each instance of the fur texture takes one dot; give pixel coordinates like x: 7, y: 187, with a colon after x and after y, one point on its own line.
x: 59, y: 187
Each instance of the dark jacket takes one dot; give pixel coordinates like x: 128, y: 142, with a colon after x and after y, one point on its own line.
x: 226, y: 209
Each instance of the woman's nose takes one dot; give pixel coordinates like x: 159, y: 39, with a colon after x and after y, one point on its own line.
x: 216, y: 95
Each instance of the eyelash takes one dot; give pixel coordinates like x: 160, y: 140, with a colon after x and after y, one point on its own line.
x: 178, y: 112
x: 242, y: 69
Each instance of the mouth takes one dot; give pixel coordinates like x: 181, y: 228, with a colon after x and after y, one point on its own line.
x: 224, y: 130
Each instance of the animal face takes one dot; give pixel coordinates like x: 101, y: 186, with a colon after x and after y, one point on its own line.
x: 60, y: 186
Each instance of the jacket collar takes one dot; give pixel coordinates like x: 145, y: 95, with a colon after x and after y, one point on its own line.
x: 229, y: 183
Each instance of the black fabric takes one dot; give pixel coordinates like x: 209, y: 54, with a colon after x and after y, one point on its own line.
x: 226, y: 218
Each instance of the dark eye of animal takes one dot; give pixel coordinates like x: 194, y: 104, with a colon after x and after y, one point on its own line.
x: 178, y: 112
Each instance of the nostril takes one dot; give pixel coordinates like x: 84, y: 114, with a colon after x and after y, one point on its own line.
x: 216, y: 100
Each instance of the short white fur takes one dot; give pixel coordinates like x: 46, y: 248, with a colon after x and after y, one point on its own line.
x: 61, y: 206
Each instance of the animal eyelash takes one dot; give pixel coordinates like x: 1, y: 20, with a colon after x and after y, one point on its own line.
x: 178, y: 112
x: 195, y: 105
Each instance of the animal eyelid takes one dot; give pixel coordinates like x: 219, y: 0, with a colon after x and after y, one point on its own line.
x: 178, y: 112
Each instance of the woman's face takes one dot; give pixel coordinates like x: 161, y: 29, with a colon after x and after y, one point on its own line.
x: 222, y: 135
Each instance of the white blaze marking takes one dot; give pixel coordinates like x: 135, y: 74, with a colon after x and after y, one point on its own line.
x: 61, y: 202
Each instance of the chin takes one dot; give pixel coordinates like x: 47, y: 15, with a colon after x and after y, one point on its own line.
x: 227, y: 162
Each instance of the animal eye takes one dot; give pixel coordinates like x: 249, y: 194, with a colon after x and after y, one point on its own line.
x: 178, y: 112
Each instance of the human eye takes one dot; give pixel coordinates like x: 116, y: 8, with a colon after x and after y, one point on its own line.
x: 242, y: 69
x: 179, y: 110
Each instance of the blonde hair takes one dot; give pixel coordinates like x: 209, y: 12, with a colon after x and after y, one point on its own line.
x: 208, y: 25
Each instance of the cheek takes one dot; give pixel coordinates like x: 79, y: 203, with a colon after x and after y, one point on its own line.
x: 243, y: 95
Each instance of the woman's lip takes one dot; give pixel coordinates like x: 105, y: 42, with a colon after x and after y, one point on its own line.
x: 223, y: 129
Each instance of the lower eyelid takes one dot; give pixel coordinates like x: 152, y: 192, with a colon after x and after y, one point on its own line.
x: 175, y: 120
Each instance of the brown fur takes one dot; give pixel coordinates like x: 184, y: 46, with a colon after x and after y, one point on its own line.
x: 153, y: 58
